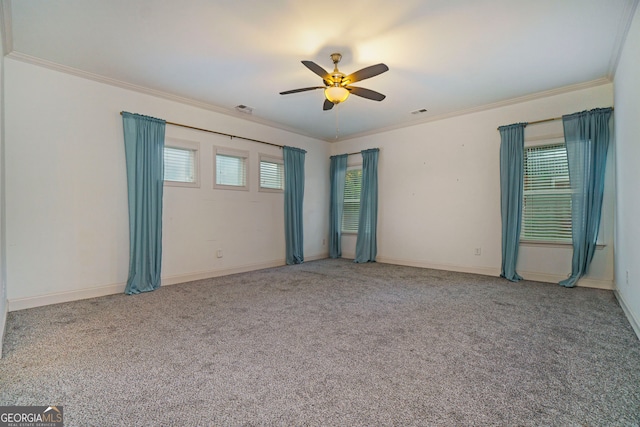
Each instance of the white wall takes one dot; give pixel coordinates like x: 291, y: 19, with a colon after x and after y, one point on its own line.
x: 627, y: 119
x: 67, y: 221
x: 439, y: 192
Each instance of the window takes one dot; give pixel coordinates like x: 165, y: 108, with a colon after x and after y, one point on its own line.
x: 351, y: 213
x: 271, y: 174
x: 546, y: 213
x: 231, y: 169
x: 181, y: 159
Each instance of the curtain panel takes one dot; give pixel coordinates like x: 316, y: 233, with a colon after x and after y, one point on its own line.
x: 587, y: 137
x: 366, y: 244
x: 293, y: 198
x: 337, y: 176
x: 511, y: 194
x: 144, y: 151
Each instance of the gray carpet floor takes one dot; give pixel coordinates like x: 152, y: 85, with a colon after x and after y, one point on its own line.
x: 330, y: 343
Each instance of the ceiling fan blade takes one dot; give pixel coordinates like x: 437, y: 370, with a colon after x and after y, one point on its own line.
x: 366, y: 93
x: 318, y: 70
x: 301, y: 90
x: 328, y: 105
x: 365, y: 73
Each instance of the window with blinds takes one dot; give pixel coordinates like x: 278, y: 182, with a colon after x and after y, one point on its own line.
x: 546, y: 214
x: 352, y: 187
x: 271, y: 174
x: 181, y: 163
x: 231, y: 170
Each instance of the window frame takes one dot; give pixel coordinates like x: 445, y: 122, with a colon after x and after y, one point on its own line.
x: 182, y: 144
x: 231, y: 152
x: 268, y: 158
x: 550, y: 141
x: 541, y: 141
x: 350, y: 167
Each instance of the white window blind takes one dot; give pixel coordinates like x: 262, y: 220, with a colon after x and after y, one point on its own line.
x: 231, y: 170
x: 546, y: 215
x: 352, y: 186
x: 271, y: 174
x: 179, y: 164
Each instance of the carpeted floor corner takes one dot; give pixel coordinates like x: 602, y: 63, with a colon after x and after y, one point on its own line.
x: 330, y: 342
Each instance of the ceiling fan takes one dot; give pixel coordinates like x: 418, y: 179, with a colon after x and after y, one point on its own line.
x: 337, y: 85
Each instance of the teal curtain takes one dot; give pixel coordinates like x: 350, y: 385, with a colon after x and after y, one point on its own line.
x: 144, y: 151
x: 337, y: 176
x: 586, y: 135
x: 293, y: 197
x: 511, y: 195
x: 366, y: 245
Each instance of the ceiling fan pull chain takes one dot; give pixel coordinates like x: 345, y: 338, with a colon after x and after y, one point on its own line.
x: 337, y: 127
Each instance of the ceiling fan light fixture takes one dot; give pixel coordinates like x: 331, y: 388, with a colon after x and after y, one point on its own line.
x: 336, y: 94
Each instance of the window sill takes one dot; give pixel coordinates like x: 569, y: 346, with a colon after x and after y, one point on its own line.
x: 270, y: 190
x: 350, y: 233
x: 533, y: 243
x: 168, y: 183
x: 230, y: 187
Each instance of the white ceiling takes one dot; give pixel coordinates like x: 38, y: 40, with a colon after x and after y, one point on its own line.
x: 448, y: 56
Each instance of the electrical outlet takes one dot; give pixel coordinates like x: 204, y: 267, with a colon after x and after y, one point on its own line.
x: 324, y: 242
x: 627, y: 278
x: 478, y: 251
x: 219, y: 253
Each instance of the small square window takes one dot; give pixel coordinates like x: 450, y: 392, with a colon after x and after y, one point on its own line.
x: 181, y: 163
x: 271, y: 174
x: 231, y: 169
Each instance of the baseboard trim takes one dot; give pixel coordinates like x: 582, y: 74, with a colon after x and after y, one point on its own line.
x: 190, y: 277
x: 585, y: 282
x: 3, y: 323
x: 488, y: 271
x: 633, y: 321
x: 485, y: 271
x: 183, y: 278
x: 65, y: 296
x: 117, y: 288
x: 317, y: 257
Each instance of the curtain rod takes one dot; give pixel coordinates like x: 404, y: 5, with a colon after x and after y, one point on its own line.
x: 348, y: 154
x: 220, y: 133
x: 547, y: 120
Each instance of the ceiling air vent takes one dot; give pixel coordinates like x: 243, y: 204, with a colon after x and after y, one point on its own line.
x: 244, y: 109
x: 420, y: 111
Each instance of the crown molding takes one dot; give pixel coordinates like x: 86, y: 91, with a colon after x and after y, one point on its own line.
x: 621, y: 36
x: 485, y: 107
x: 211, y: 107
x: 153, y: 92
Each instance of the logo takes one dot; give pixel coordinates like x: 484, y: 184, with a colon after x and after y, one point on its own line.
x: 31, y: 416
